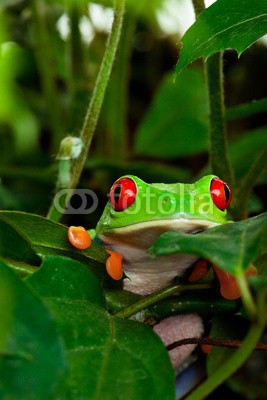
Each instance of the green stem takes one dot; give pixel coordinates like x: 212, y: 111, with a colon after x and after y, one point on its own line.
x: 95, y: 105
x: 118, y: 300
x: 46, y: 63
x: 157, y: 296
x: 191, y: 304
x: 230, y: 366
x: 220, y: 163
x: 96, y: 102
x: 246, y: 295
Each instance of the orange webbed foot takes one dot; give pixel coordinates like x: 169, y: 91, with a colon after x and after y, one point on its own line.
x: 114, y: 265
x: 79, y: 237
x: 200, y: 270
x: 229, y: 287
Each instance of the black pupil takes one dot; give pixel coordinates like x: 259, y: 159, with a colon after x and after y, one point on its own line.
x: 117, y: 193
x: 226, y: 193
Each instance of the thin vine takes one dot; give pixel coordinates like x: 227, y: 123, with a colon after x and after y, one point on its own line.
x: 94, y: 107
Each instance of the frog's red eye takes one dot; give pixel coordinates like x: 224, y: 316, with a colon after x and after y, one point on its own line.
x: 122, y: 194
x: 220, y: 193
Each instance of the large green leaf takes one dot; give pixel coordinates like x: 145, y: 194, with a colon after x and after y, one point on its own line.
x: 25, y: 235
x: 110, y: 358
x: 32, y: 362
x: 225, y: 24
x: 104, y: 353
x: 176, y: 123
x: 14, y: 246
x: 231, y: 246
x: 61, y: 277
x: 6, y: 307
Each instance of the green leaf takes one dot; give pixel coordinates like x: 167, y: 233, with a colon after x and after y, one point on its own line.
x: 109, y: 357
x: 176, y: 123
x: 32, y: 362
x: 225, y: 24
x: 97, y: 343
x: 231, y: 246
x: 15, y: 246
x: 45, y: 237
x: 61, y: 277
x: 6, y: 307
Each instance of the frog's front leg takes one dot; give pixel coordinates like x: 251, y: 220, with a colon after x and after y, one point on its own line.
x: 80, y: 238
x: 177, y: 328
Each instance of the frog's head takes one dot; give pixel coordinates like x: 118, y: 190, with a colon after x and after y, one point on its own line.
x: 136, y: 208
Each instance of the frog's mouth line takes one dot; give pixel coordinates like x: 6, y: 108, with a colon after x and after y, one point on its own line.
x: 153, y: 229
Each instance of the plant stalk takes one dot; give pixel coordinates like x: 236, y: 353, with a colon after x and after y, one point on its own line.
x: 94, y: 108
x: 157, y: 296
x: 219, y: 160
x: 95, y: 104
x: 246, y: 295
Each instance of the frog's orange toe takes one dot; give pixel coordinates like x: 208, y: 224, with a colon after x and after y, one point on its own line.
x: 200, y: 270
x: 79, y: 237
x: 228, y: 284
x: 114, y: 265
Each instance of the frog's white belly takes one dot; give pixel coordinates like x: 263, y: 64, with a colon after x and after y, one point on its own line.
x: 144, y: 273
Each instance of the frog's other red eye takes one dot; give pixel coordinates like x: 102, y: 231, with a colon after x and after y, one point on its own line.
x: 122, y: 194
x: 220, y: 193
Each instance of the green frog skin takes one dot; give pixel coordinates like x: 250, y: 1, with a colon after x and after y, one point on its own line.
x: 136, y: 214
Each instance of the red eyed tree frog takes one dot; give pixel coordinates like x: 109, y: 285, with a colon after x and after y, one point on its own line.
x: 135, y: 215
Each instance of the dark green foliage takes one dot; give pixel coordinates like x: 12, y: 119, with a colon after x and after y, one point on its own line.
x: 233, y: 246
x: 59, y: 336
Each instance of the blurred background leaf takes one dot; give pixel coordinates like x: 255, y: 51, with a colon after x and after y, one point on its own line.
x: 176, y: 124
